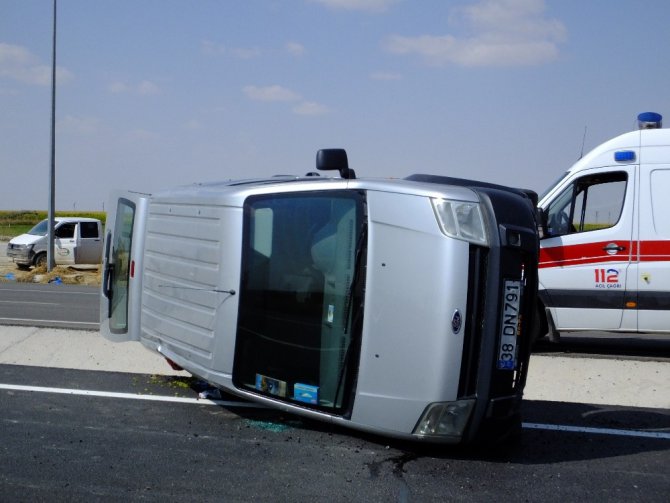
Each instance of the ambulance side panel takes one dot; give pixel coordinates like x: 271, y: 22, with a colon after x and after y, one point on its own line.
x: 616, y: 277
x: 651, y: 274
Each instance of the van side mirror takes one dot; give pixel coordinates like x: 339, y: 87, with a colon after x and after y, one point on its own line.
x: 334, y: 159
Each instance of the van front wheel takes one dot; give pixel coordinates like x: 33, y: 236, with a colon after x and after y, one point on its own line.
x: 40, y: 260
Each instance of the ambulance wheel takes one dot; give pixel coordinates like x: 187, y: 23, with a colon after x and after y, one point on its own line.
x: 538, y: 328
x: 40, y: 260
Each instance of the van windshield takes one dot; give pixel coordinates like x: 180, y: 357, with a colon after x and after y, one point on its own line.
x: 299, y: 322
x: 40, y: 229
x: 553, y: 185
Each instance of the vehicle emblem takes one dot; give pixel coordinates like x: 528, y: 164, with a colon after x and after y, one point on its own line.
x: 456, y: 321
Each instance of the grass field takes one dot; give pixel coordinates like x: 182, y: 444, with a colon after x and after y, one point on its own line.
x: 13, y: 223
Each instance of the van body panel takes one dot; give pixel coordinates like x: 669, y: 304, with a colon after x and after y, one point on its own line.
x: 400, y: 303
x: 184, y: 304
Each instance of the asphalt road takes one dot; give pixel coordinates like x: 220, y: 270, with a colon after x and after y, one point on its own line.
x: 49, y: 305
x: 80, y: 435
x: 109, y: 447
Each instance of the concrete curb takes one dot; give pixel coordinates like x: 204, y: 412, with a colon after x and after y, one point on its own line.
x: 77, y: 349
x: 602, y: 381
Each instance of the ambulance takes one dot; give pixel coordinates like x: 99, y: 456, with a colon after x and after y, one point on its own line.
x: 397, y: 307
x: 605, y: 249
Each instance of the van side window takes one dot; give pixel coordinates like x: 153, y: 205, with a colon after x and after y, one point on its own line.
x: 65, y: 231
x: 89, y: 230
x: 590, y: 203
x: 660, y: 202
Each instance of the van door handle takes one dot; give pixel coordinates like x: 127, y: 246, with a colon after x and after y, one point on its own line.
x: 612, y: 248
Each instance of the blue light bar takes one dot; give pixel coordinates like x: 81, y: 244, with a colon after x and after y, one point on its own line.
x: 624, y: 156
x: 649, y: 120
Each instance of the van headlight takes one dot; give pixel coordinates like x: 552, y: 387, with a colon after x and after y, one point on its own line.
x: 445, y: 419
x: 461, y: 220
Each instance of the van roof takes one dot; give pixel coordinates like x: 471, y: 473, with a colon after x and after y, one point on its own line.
x: 236, y: 191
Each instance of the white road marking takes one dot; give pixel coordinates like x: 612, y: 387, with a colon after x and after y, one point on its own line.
x: 129, y: 396
x: 596, y: 431
x: 68, y: 324
x: 50, y: 292
x: 28, y: 302
x: 228, y: 403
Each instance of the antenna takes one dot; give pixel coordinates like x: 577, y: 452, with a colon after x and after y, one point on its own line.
x: 581, y: 154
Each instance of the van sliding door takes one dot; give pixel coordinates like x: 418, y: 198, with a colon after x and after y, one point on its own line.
x: 120, y: 298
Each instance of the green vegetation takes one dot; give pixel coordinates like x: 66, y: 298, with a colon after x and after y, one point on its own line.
x: 595, y: 227
x: 13, y: 223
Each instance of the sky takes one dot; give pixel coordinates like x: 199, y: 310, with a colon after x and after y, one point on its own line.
x: 153, y: 94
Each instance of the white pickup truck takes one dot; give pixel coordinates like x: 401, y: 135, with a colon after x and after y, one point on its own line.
x: 76, y: 241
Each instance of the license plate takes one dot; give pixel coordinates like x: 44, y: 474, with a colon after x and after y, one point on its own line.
x: 510, y: 325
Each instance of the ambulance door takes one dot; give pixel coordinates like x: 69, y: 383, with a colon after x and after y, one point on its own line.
x: 586, y: 252
x: 652, y: 270
x: 120, y: 299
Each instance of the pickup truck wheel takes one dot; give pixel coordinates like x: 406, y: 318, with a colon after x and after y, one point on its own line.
x: 40, y: 260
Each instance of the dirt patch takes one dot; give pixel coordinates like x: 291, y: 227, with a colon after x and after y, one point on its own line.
x: 70, y: 275
x: 59, y: 274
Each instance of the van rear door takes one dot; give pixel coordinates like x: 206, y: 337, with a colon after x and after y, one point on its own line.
x: 120, y: 298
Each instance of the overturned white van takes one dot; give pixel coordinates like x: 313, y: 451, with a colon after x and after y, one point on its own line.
x: 399, y: 307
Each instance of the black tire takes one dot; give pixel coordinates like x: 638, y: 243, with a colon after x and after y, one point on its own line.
x: 538, y: 328
x: 40, y: 260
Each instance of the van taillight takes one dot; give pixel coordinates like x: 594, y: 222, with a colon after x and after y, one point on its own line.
x: 132, y: 268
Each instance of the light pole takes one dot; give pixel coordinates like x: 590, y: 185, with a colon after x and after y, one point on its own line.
x: 52, y: 172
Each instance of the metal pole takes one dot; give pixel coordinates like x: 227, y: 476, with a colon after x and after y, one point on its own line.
x: 52, y: 172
